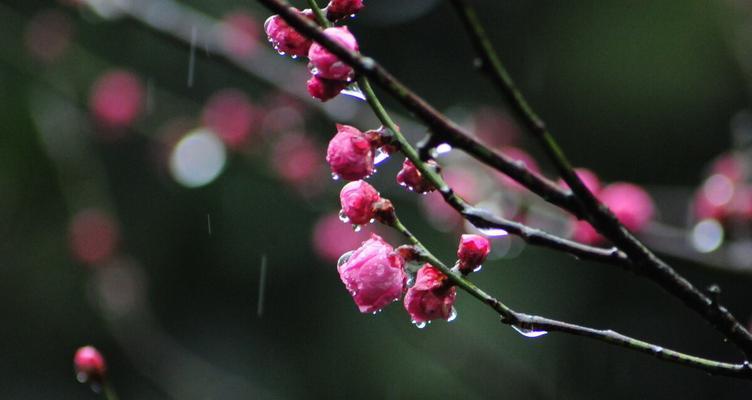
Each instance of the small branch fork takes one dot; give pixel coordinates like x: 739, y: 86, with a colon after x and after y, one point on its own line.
x: 630, y: 252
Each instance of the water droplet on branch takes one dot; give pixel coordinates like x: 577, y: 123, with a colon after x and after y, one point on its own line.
x: 529, y: 332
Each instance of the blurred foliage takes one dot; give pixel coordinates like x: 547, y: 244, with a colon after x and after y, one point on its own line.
x: 637, y: 90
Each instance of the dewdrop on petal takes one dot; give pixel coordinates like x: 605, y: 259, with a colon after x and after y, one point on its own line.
x: 350, y: 154
x: 374, y: 275
x: 327, y: 65
x: 430, y: 297
x: 357, y: 199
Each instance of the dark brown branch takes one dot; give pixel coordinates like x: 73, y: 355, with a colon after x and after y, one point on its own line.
x: 597, y: 213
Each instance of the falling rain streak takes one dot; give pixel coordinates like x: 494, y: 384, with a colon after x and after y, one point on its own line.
x: 192, y: 58
x: 262, y: 286
x: 208, y: 223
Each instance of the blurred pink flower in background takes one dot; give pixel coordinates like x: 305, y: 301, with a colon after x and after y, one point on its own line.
x: 296, y: 158
x: 231, y: 115
x: 239, y: 33
x: 495, y: 128
x: 518, y: 155
x: 331, y: 238
x: 93, y: 235
x: 89, y: 365
x: 442, y: 216
x: 48, y: 35
x: 630, y: 203
x: 116, y: 98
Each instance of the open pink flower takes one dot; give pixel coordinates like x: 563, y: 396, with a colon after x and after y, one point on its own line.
x: 324, y: 89
x: 350, y: 155
x: 410, y: 177
x: 89, y: 365
x: 374, y: 275
x: 472, y: 252
x: 357, y: 199
x: 630, y: 203
x: 338, y: 9
x: 284, y: 38
x: 430, y: 298
x: 327, y: 65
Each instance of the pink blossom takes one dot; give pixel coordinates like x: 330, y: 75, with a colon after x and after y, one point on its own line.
x: 588, y: 177
x: 327, y: 65
x: 48, y: 35
x: 230, y: 114
x: 350, y: 154
x: 89, y: 365
x: 93, y: 236
x: 520, y: 156
x: 729, y: 165
x: 116, y: 98
x: 338, y: 9
x: 472, y: 252
x: 284, y: 38
x: 239, y: 34
x: 431, y: 297
x: 410, y: 177
x: 373, y: 274
x: 357, y: 199
x: 630, y: 203
x: 324, y: 89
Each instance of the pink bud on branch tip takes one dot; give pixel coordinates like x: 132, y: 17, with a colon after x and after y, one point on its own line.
x: 89, y: 365
x: 472, y: 252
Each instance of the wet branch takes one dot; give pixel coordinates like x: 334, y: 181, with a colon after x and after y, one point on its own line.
x: 541, y: 325
x: 599, y: 215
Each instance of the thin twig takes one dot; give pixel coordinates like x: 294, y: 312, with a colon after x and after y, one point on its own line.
x: 449, y: 132
x: 598, y: 214
x: 534, y: 323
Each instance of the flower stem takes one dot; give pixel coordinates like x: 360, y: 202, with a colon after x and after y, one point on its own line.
x: 320, y: 17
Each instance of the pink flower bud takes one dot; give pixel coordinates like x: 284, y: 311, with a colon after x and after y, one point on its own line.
x: 373, y: 274
x: 357, y: 199
x: 472, y: 252
x: 350, y: 154
x: 284, y: 38
x: 410, y: 177
x: 324, y: 89
x: 338, y: 9
x: 327, y: 65
x: 89, y: 365
x: 630, y: 203
x: 431, y: 297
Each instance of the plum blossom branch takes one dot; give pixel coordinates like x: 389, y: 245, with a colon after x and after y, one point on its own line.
x: 533, y: 324
x: 443, y: 128
x: 598, y: 214
x: 447, y: 131
x: 479, y: 217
